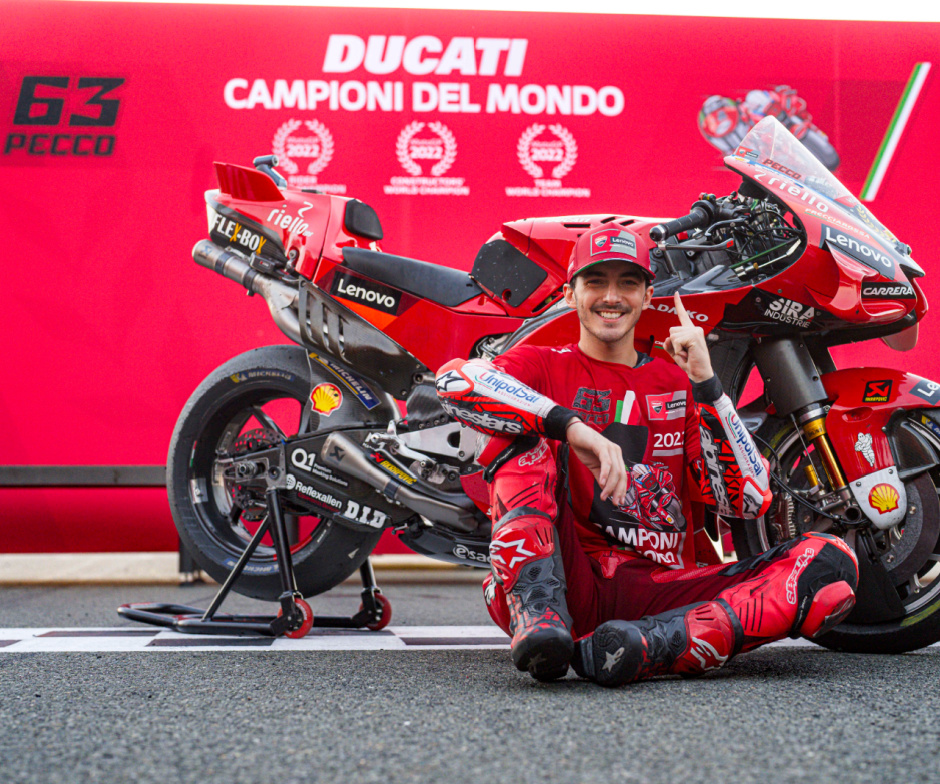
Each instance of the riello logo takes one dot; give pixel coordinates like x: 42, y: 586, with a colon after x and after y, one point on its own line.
x: 64, y: 117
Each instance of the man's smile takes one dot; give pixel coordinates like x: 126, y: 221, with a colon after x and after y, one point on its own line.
x: 611, y: 316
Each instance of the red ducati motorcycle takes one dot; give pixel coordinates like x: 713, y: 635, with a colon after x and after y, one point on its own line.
x: 288, y: 462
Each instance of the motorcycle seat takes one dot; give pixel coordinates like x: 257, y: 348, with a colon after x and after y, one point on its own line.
x: 441, y: 285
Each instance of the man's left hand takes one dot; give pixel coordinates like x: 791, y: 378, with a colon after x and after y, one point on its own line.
x: 686, y: 345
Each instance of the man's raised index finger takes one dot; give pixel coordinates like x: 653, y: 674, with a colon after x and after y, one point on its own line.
x: 681, y: 312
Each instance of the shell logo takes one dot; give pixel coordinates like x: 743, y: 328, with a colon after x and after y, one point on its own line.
x: 884, y: 498
x: 326, y: 398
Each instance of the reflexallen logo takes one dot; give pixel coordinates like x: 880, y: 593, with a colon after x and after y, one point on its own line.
x: 303, y: 150
x: 418, y: 145
x: 547, y: 154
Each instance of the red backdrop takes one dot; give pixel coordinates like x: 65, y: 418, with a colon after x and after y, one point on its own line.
x: 109, y: 325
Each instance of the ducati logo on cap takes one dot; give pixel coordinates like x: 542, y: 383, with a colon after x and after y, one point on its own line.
x: 614, y: 241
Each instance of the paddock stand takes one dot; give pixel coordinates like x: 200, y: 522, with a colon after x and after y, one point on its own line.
x: 295, y: 618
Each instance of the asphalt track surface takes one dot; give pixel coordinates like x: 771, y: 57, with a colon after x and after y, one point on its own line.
x: 781, y: 714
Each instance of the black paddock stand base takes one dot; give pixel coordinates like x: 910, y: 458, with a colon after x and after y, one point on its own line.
x: 295, y: 618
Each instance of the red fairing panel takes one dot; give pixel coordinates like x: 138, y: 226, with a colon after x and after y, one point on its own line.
x: 864, y: 399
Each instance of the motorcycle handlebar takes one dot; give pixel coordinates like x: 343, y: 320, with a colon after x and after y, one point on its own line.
x: 701, y: 214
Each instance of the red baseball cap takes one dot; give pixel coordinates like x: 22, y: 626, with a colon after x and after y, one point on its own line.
x: 605, y: 242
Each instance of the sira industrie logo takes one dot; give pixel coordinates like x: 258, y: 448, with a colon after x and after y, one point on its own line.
x: 64, y: 117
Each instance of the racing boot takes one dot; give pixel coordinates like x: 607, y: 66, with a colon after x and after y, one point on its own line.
x: 802, y: 587
x: 526, y: 595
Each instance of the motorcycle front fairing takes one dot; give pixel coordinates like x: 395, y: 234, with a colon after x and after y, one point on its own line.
x: 869, y: 282
x: 872, y: 285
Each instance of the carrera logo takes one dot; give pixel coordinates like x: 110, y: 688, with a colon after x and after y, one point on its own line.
x: 887, y: 291
x: 366, y: 292
x: 877, y: 391
x: 666, y: 406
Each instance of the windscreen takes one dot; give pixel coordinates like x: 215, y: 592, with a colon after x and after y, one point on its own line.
x: 772, y: 148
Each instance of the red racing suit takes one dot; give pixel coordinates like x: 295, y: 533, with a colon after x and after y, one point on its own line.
x: 684, y: 447
x: 680, y: 445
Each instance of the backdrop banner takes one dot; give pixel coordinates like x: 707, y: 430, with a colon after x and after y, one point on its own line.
x: 447, y: 123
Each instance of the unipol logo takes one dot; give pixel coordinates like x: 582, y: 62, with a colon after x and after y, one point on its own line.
x: 303, y: 150
x: 547, y: 153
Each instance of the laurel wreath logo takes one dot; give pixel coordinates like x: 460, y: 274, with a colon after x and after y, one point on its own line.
x: 450, y: 148
x: 279, y: 146
x: 571, y: 151
x: 524, y: 144
x: 409, y: 132
x: 522, y: 150
x: 401, y: 148
x: 326, y: 146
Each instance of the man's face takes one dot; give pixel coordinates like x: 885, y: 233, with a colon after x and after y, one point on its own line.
x: 609, y: 298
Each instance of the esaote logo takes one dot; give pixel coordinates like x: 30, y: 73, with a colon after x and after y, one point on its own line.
x: 303, y: 150
x: 420, y: 144
x: 549, y: 150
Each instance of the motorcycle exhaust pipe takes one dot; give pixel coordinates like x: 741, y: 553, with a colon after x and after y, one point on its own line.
x: 345, y: 455
x: 281, y: 297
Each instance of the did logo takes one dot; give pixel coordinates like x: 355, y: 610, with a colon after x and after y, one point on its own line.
x: 303, y: 150
x: 547, y: 154
x: 426, y: 151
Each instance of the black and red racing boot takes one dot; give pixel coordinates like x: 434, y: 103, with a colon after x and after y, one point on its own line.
x: 529, y: 574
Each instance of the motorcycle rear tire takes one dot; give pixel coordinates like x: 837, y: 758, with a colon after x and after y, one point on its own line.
x: 263, y: 374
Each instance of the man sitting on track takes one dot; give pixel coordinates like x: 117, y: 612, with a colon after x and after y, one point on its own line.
x: 598, y: 570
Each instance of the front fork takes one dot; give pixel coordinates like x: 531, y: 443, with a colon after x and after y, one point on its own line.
x: 792, y: 382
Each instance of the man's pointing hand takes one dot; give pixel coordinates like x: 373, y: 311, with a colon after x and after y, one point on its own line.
x: 686, y: 345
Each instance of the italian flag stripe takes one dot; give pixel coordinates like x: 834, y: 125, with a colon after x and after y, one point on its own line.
x: 895, y: 129
x: 625, y: 407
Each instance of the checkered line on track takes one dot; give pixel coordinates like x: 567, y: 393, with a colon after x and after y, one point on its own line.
x: 121, y: 639
x: 394, y: 638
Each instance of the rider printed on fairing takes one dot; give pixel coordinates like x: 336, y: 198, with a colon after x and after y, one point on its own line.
x: 600, y: 570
